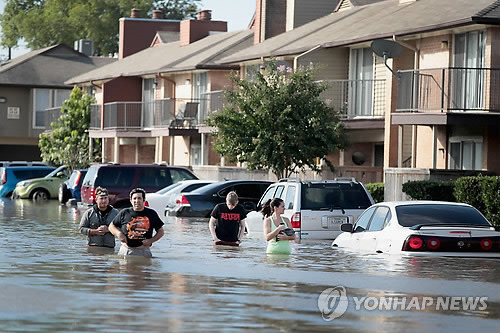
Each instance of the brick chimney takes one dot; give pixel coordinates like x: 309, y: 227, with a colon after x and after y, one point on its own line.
x: 137, y: 33
x: 157, y: 14
x: 135, y: 13
x: 270, y: 19
x: 194, y: 30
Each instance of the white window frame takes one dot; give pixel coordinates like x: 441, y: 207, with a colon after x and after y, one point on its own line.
x: 465, y: 139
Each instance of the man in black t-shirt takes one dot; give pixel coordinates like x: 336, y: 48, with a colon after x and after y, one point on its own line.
x: 227, y: 221
x: 134, y: 226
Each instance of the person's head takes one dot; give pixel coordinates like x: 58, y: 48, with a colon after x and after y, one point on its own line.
x: 272, y: 206
x: 101, y: 198
x: 231, y: 199
x: 137, y: 199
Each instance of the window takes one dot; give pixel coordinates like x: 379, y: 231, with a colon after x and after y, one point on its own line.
x: 380, y: 218
x: 361, y: 82
x: 251, y: 191
x: 178, y: 174
x: 410, y: 215
x: 468, y: 76
x: 466, y: 153
x: 269, y: 194
x: 115, y: 177
x: 148, y: 96
x: 42, y: 102
x: 155, y: 177
x: 44, y: 99
x: 363, y: 220
x: 334, y: 195
x: 290, y: 196
x: 279, y: 192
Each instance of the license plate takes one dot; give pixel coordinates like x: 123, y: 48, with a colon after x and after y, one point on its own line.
x: 332, y: 222
x: 337, y: 219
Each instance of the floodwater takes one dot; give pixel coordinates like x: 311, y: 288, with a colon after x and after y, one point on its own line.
x: 51, y: 282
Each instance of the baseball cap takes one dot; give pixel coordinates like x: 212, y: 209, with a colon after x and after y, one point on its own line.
x: 101, y: 191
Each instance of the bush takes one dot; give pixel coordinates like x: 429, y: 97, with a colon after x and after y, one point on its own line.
x: 376, y: 190
x: 490, y: 187
x: 430, y: 190
x: 468, y: 190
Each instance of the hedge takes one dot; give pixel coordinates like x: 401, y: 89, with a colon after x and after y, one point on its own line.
x: 376, y: 190
x: 430, y: 190
x: 481, y: 192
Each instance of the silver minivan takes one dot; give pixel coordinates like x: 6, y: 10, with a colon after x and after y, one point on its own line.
x: 316, y: 208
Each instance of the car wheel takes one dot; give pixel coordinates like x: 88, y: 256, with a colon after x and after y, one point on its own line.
x: 64, y: 193
x: 40, y: 195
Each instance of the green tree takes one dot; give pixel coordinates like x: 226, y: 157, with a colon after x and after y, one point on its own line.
x: 43, y: 23
x: 68, y: 142
x: 278, y: 121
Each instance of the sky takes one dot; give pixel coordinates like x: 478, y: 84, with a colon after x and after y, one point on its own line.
x: 237, y: 13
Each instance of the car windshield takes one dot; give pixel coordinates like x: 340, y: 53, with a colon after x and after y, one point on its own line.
x: 334, y: 195
x: 168, y: 188
x: 410, y: 215
x: 54, y: 173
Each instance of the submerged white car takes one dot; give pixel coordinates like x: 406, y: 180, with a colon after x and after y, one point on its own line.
x: 422, y: 228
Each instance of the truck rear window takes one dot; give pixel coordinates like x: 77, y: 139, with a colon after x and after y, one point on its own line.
x: 338, y: 195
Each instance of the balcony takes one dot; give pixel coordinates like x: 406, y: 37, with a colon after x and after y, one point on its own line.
x: 161, y: 113
x: 449, y: 90
x: 51, y: 115
x: 356, y: 98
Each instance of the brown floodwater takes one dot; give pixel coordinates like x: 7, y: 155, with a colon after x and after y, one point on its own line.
x: 51, y: 282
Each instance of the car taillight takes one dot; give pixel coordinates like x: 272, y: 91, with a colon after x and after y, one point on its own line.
x: 413, y: 243
x: 433, y: 243
x: 3, y: 179
x: 146, y: 203
x: 92, y: 194
x: 486, y: 244
x: 77, y: 180
x: 296, y: 220
x: 182, y: 200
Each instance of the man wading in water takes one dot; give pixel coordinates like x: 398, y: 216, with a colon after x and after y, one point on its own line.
x: 134, y: 226
x: 227, y: 221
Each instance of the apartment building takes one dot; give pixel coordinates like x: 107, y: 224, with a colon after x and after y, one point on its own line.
x: 32, y: 90
x: 435, y: 107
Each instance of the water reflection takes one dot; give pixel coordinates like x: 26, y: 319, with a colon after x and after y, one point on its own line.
x: 53, y: 281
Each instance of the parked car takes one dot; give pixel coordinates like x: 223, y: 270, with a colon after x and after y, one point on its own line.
x: 315, y: 208
x: 167, y: 196
x: 10, y: 176
x: 42, y: 188
x: 21, y: 163
x: 202, y: 201
x: 71, y: 188
x: 120, y: 179
x: 422, y: 228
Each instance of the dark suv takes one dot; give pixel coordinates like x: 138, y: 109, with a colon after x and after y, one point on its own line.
x: 120, y: 179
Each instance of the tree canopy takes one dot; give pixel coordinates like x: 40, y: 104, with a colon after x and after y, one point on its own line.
x: 43, y: 23
x: 68, y: 142
x: 278, y: 121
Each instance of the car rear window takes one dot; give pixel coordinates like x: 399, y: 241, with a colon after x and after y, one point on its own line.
x: 115, y: 177
x: 31, y: 173
x: 334, y: 195
x: 410, y: 215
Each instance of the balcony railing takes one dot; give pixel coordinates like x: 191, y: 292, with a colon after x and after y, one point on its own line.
x: 356, y: 98
x: 161, y: 113
x: 449, y: 89
x: 51, y: 115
